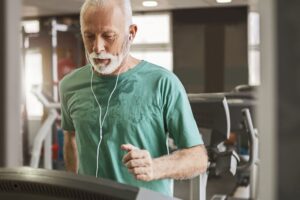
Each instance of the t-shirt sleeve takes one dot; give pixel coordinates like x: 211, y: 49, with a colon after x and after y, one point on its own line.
x: 179, y: 119
x: 66, y: 120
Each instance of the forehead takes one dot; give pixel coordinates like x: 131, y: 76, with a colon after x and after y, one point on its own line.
x: 109, y: 17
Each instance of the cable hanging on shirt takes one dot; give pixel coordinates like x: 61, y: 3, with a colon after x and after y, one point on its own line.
x: 101, y: 122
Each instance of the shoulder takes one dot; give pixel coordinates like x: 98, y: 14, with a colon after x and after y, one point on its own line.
x: 165, y: 80
x: 74, y: 78
x: 160, y: 72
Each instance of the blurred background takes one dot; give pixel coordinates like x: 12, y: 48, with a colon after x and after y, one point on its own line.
x: 213, y: 46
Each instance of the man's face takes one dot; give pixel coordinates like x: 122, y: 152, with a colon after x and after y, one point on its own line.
x: 105, y: 37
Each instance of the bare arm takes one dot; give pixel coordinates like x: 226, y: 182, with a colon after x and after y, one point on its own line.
x: 182, y: 164
x: 70, y: 151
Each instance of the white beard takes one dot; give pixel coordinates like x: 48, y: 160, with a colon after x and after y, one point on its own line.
x: 115, y: 61
x: 114, y: 64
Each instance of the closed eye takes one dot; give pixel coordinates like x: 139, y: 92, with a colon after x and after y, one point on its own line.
x: 89, y: 36
x: 109, y: 36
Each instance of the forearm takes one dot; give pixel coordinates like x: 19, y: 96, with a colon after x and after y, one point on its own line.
x: 70, y: 158
x: 182, y: 164
x: 70, y: 154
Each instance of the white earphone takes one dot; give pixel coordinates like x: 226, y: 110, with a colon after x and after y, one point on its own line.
x: 101, y: 122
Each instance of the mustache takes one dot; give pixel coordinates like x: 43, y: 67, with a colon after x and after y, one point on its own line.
x: 102, y: 55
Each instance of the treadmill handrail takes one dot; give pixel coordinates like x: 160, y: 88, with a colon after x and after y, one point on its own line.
x: 41, y: 97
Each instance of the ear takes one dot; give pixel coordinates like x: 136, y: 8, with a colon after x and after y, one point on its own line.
x: 132, y: 31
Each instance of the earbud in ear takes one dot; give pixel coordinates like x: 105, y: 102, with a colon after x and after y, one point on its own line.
x: 130, y: 36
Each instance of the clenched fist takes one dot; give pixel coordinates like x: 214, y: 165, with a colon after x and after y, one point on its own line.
x: 138, y: 162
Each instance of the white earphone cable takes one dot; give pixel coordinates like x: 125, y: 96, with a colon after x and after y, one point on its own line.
x: 101, y: 122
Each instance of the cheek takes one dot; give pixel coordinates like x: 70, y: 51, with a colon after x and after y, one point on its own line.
x: 88, y: 45
x: 117, y: 48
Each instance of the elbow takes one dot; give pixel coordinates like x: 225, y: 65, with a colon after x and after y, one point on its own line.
x: 203, y: 160
x: 203, y: 167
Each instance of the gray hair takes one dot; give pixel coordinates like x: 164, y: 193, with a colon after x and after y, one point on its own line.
x: 124, y: 4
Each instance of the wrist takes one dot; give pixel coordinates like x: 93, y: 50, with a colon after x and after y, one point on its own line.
x: 157, y: 172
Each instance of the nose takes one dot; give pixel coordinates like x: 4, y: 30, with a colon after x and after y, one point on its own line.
x: 98, y: 45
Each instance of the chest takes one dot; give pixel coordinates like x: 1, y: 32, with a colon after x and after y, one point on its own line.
x: 126, y: 105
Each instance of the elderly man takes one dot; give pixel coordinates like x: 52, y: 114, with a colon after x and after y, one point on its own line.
x: 118, y: 111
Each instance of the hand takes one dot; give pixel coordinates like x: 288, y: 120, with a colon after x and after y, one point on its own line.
x: 138, y: 162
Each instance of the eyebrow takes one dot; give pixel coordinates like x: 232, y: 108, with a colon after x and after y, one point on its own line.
x: 110, y: 32
x: 103, y: 30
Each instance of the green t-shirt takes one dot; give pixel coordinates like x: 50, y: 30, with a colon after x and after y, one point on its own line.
x: 148, y: 104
